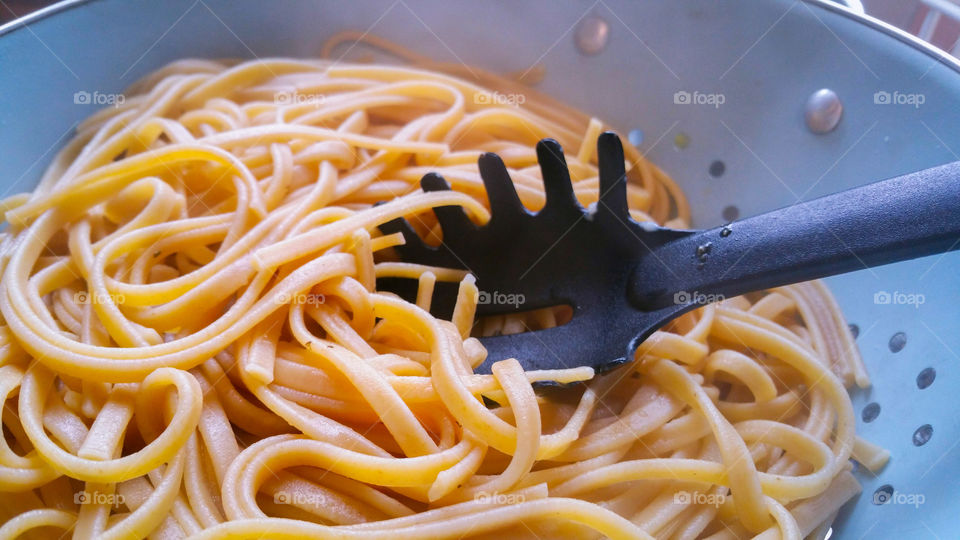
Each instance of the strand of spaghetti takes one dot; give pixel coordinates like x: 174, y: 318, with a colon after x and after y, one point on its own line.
x: 225, y: 220
x: 37, y: 384
x: 19, y: 473
x: 395, y: 73
x: 35, y: 519
x: 228, y: 80
x: 384, y: 400
x: 709, y: 472
x: 129, y: 128
x: 96, y: 186
x: 256, y: 463
x: 817, y: 375
x: 306, y: 244
x: 244, y: 412
x: 749, y: 372
x: 67, y: 356
x: 199, y: 492
x: 740, y: 469
x: 170, y: 290
x: 148, y: 515
x: 523, y: 405
x: 317, y: 426
x: 468, y: 410
x: 603, y: 521
x: 414, y: 271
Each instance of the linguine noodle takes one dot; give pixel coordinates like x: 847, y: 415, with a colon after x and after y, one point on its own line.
x: 192, y: 341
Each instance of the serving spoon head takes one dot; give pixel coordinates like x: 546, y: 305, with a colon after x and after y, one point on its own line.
x: 564, y: 254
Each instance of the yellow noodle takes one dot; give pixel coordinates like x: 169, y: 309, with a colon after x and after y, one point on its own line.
x: 192, y: 342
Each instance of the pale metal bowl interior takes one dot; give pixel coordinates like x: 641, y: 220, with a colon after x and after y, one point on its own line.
x: 764, y: 56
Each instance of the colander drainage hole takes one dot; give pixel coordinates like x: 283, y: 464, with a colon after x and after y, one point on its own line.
x: 717, y: 169
x: 922, y: 435
x: 925, y: 378
x: 897, y: 342
x: 882, y: 494
x: 870, y: 412
x: 855, y: 330
x: 731, y: 213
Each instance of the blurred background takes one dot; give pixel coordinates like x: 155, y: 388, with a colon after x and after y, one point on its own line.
x: 936, y: 21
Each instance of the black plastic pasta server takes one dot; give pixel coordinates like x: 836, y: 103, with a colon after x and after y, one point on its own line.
x: 625, y: 279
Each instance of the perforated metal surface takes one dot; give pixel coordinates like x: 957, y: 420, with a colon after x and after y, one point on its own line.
x: 751, y: 153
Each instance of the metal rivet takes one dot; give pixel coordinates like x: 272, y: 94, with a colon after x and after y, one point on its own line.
x: 592, y: 35
x: 926, y: 377
x: 854, y: 330
x: 897, y: 342
x: 883, y: 494
x: 730, y: 213
x: 823, y: 111
x: 870, y: 412
x: 635, y: 137
x: 717, y: 169
x: 922, y: 435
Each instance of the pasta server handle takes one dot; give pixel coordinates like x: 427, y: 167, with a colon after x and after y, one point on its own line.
x: 902, y: 218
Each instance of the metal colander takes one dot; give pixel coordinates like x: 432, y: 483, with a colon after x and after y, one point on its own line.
x: 651, y: 68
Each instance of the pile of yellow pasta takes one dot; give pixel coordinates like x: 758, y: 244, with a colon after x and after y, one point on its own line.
x: 192, y: 342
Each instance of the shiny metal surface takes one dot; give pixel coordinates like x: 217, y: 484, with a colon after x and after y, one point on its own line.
x: 764, y: 57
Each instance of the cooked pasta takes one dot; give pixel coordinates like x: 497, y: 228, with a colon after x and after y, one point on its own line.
x: 193, y: 343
